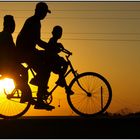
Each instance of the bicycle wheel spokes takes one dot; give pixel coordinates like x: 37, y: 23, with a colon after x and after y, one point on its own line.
x: 92, y: 94
x: 11, y: 107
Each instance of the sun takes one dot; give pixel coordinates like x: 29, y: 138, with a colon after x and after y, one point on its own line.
x: 7, y: 84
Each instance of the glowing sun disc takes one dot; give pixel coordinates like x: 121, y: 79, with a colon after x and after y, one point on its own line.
x: 7, y: 84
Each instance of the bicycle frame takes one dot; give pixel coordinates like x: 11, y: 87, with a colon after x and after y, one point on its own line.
x: 73, y: 101
x: 71, y: 70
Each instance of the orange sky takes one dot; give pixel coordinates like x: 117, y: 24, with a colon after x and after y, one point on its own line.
x: 103, y: 36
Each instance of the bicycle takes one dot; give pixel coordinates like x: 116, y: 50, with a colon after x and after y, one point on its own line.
x: 92, y: 95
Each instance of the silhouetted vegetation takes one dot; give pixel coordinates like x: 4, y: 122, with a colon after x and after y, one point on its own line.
x: 121, y: 115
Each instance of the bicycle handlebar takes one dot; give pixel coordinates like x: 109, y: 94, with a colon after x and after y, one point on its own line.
x: 67, y: 52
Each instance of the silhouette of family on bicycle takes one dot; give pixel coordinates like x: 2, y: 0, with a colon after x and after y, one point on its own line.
x: 88, y: 93
x: 24, y: 51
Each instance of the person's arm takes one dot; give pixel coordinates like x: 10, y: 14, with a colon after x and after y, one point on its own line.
x: 39, y: 41
x: 42, y: 44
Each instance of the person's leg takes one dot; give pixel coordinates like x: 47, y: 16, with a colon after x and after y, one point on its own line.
x: 37, y: 63
x: 64, y: 65
x: 61, y: 81
x: 61, y: 66
x: 42, y: 85
x: 29, y: 58
x: 23, y: 73
x: 21, y: 81
x: 22, y: 85
x: 43, y: 76
x: 26, y: 93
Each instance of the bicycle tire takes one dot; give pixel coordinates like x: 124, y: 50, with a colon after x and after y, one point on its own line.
x: 84, y: 105
x: 11, y: 108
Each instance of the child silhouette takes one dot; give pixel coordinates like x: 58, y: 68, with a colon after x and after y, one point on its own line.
x: 57, y: 63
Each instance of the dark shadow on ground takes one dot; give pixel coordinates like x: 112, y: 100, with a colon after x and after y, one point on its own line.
x: 71, y: 127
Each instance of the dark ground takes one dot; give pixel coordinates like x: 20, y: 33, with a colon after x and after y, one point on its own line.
x: 70, y: 127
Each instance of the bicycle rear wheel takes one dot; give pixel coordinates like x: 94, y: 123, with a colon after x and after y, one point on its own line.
x: 92, y: 94
x: 10, y: 106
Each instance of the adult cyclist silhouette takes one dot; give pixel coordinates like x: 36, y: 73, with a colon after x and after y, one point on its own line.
x: 9, y: 61
x: 26, y: 42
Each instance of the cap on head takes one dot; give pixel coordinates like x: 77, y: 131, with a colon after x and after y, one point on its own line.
x: 42, y: 6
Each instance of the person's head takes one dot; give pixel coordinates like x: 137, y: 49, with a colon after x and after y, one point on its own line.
x: 9, y: 23
x: 57, y: 32
x: 41, y: 10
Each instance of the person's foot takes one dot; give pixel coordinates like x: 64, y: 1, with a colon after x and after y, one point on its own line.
x: 42, y: 105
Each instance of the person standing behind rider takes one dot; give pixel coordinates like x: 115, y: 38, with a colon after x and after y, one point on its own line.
x: 26, y: 42
x: 9, y: 62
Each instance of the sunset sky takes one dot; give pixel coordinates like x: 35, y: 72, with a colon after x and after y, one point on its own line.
x: 104, y: 38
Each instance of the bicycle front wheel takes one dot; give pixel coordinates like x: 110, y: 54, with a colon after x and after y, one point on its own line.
x: 92, y: 94
x: 10, y: 106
